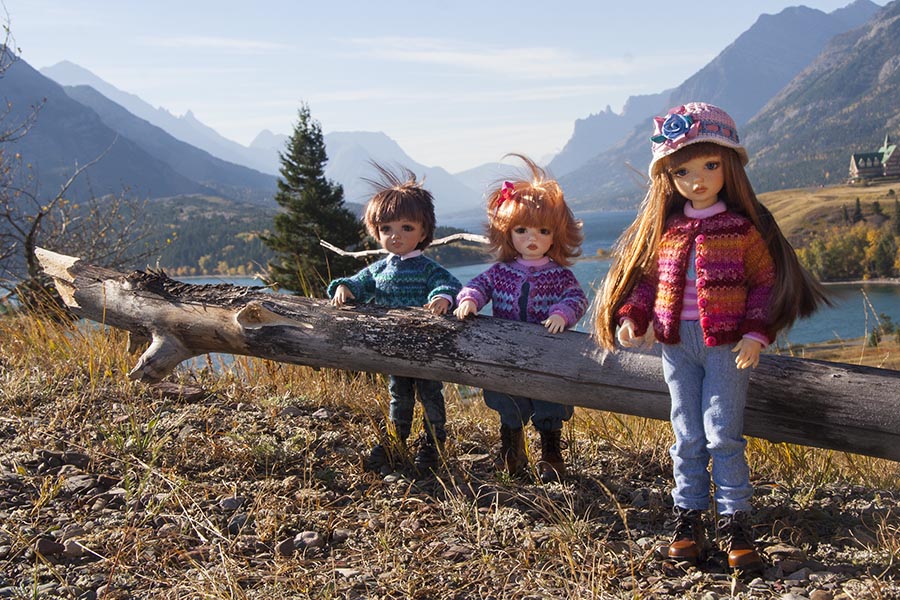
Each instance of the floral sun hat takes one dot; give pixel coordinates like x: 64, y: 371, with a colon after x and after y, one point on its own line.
x: 692, y: 123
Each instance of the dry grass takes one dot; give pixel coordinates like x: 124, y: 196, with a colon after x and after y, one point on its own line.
x: 804, y: 212
x: 192, y: 499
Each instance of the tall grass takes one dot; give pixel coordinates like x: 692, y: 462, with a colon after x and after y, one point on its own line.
x: 66, y: 387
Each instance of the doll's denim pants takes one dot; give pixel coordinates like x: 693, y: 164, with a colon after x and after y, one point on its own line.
x: 708, y: 395
x: 403, y: 405
x: 516, y: 410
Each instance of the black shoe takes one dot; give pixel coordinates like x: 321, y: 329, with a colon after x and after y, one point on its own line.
x: 689, y: 539
x: 378, y: 457
x: 742, y: 554
x: 428, y: 453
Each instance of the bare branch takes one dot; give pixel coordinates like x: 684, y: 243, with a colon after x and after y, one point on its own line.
x: 450, y: 239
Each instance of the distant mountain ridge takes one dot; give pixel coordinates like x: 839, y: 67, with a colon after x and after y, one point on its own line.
x: 846, y: 101
x: 768, y: 55
x: 185, y: 128
x: 67, y: 134
x: 228, y: 179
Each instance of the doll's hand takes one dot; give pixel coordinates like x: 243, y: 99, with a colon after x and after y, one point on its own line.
x: 465, y: 308
x: 555, y: 323
x: 341, y: 295
x: 625, y: 334
x: 438, y: 305
x: 748, y: 353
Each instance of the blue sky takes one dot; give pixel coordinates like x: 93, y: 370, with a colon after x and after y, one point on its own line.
x: 456, y: 84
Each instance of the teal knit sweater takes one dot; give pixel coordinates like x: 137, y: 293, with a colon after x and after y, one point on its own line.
x: 395, y: 282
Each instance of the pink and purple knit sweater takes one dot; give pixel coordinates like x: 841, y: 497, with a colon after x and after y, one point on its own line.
x: 735, y: 276
x: 528, y: 291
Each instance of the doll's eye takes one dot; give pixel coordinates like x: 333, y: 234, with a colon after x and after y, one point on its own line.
x: 545, y: 231
x: 408, y: 228
x: 519, y: 230
x: 712, y: 165
x: 384, y: 229
x: 679, y: 173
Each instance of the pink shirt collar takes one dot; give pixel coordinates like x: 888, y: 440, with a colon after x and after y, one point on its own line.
x: 538, y: 262
x: 718, y: 207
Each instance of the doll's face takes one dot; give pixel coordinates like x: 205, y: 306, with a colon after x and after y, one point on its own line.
x: 400, y: 237
x: 531, y: 242
x: 700, y: 180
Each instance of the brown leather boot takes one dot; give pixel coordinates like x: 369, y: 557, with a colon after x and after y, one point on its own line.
x: 735, y: 532
x: 512, y: 450
x: 552, y: 466
x: 689, y: 539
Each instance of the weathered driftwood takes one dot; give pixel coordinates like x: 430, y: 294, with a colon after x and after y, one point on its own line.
x: 827, y: 405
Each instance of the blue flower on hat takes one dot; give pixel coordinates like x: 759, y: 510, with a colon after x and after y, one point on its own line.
x: 675, y: 126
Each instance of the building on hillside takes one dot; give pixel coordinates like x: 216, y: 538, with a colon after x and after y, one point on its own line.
x: 884, y: 162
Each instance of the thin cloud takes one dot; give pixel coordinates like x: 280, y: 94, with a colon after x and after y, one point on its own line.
x: 226, y: 44
x: 518, y: 62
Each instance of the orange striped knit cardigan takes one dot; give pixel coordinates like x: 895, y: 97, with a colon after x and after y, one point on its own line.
x: 735, y: 276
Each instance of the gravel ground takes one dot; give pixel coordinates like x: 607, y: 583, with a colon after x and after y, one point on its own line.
x: 131, y: 495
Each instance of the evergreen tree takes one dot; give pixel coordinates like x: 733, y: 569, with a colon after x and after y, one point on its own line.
x: 313, y: 210
x: 857, y: 212
x: 845, y: 216
x: 896, y: 217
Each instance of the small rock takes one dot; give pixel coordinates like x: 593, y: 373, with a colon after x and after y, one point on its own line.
x: 231, y: 502
x: 73, y: 549
x: 290, y: 411
x: 285, y: 547
x: 309, y: 539
x: 348, y: 573
x: 321, y: 414
x: 237, y: 523
x: 48, y: 547
x: 801, y: 575
x: 339, y: 536
x: 821, y: 595
x: 4, y: 552
x: 76, y: 459
x: 709, y: 596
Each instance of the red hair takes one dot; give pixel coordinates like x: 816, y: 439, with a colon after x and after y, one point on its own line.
x: 532, y: 202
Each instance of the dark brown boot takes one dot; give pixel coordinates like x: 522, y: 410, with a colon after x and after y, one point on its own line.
x: 734, y: 530
x: 512, y: 450
x: 689, y: 540
x: 552, y: 466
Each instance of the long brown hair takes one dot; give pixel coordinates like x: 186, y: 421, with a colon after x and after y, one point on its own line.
x: 535, y: 201
x: 795, y: 294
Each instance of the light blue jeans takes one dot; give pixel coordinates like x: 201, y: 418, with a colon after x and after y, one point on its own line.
x: 403, y: 405
x: 708, y: 394
x: 516, y: 410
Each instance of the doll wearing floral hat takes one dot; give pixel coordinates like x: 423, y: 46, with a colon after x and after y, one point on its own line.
x: 705, y: 270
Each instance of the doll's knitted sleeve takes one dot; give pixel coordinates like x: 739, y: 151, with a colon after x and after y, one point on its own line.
x: 638, y: 304
x: 479, y: 290
x: 759, y: 270
x: 442, y: 283
x: 361, y: 285
x: 572, y: 302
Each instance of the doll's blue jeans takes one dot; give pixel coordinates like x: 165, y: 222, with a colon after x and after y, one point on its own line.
x: 516, y: 410
x: 708, y: 395
x: 403, y: 405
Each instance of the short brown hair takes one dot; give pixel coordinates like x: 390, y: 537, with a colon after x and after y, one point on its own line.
x: 398, y: 199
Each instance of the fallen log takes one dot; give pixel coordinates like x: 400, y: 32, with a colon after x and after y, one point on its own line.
x: 814, y: 403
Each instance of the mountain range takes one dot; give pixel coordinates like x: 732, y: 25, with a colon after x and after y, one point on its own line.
x: 742, y: 79
x: 806, y: 88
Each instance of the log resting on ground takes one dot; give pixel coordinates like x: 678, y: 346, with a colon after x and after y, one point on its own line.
x: 814, y: 403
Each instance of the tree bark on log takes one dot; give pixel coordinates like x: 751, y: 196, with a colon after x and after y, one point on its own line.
x: 815, y: 403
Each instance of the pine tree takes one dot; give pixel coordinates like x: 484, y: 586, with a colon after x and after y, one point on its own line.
x: 857, y: 212
x: 313, y: 210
